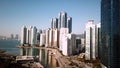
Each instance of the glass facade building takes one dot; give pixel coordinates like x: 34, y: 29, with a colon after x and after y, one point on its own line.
x: 63, y: 19
x: 54, y: 23
x: 110, y: 33
x: 69, y: 24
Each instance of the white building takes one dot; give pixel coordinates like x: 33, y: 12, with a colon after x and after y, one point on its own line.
x: 50, y: 38
x: 65, y: 42
x: 55, y: 38
x: 23, y: 35
x: 33, y: 36
x: 63, y: 34
x: 68, y: 44
x: 42, y: 39
x: 47, y: 37
x: 90, y: 40
x: 27, y: 36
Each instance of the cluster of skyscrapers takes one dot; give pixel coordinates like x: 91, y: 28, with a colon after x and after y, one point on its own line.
x: 101, y: 41
x: 58, y: 36
x: 63, y: 21
x: 29, y: 35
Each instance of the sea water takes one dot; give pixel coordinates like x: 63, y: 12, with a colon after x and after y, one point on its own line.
x: 10, y: 46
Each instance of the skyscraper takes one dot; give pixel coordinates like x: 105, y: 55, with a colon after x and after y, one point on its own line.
x: 42, y: 39
x: 62, y: 19
x: 98, y: 39
x: 67, y: 42
x: 33, y: 36
x: 54, y: 23
x: 69, y: 24
x: 59, y: 20
x: 47, y: 37
x: 55, y: 38
x: 110, y: 32
x: 50, y: 38
x: 63, y: 34
x: 23, y: 35
x: 27, y: 36
x: 90, y: 40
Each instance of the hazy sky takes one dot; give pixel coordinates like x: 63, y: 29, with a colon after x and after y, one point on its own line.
x: 16, y: 13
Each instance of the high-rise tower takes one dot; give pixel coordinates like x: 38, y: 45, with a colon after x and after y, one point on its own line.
x: 110, y: 28
x: 69, y: 24
x: 62, y: 19
x: 33, y: 36
x: 54, y: 23
x: 23, y: 35
x: 90, y: 40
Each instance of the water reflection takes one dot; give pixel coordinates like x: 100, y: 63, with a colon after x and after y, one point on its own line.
x: 45, y: 56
